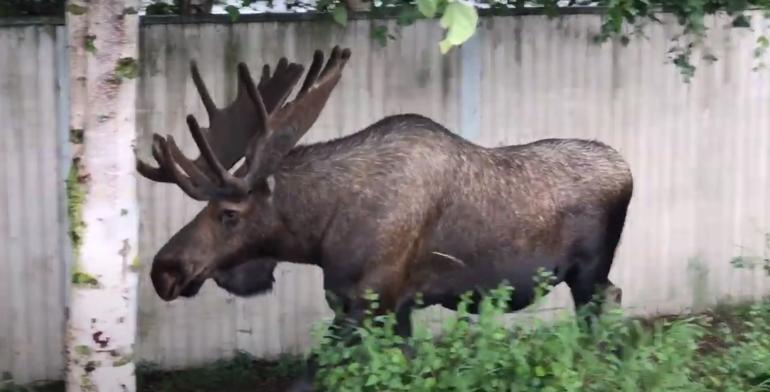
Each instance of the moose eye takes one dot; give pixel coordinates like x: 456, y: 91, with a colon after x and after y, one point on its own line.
x: 228, y: 217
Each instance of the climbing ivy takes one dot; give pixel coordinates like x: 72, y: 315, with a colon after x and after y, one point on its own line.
x: 622, y: 19
x: 458, y: 18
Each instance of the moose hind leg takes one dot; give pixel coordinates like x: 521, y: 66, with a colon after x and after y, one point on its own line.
x: 592, y: 294
x: 591, y: 287
x: 348, y: 315
x: 589, y: 280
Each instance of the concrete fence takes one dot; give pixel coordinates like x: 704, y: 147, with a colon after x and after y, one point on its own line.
x: 698, y: 151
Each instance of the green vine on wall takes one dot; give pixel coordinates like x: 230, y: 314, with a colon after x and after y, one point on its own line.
x: 622, y: 19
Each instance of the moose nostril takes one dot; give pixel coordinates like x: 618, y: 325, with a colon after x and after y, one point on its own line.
x: 169, y: 276
x: 165, y: 276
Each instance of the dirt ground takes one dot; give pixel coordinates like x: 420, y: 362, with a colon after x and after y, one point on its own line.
x: 241, y: 374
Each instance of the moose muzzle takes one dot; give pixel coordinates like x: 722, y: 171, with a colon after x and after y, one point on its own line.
x: 171, y: 280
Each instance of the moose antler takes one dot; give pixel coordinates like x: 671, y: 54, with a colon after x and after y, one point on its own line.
x: 286, y: 126
x: 230, y: 129
x: 269, y: 127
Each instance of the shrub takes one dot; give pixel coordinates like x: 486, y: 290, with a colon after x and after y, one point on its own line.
x: 620, y: 354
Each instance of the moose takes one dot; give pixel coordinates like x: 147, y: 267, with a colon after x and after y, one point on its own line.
x: 403, y: 207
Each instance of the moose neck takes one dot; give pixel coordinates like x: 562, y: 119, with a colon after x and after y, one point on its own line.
x: 300, y: 223
x: 305, y: 198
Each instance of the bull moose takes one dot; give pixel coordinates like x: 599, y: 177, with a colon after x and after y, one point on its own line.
x: 401, y: 207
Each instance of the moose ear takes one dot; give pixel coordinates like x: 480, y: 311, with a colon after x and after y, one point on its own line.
x: 270, y: 183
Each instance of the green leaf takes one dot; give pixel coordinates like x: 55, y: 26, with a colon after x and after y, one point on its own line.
x: 763, y: 42
x: 427, y: 7
x: 136, y: 265
x: 624, y: 40
x: 460, y: 21
x: 372, y: 380
x: 75, y: 9
x: 407, y: 16
x: 741, y: 21
x: 233, y: 12
x: 160, y: 8
x: 340, y: 15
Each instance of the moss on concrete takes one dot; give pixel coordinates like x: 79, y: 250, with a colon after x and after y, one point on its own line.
x: 135, y: 265
x: 127, y: 68
x: 75, y: 199
x: 83, y: 350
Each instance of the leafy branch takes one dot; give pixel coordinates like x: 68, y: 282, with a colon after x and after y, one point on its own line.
x: 622, y: 19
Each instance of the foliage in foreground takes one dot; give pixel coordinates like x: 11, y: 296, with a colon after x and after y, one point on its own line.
x: 726, y: 350
x: 685, y: 354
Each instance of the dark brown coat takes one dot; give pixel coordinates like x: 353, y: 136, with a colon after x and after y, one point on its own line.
x: 406, y: 206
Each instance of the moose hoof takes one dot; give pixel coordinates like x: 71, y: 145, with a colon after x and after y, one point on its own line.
x: 613, y: 297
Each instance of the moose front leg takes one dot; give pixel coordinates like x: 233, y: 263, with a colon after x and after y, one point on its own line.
x: 348, y: 315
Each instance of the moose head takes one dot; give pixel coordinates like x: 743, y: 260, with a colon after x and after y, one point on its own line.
x: 260, y: 127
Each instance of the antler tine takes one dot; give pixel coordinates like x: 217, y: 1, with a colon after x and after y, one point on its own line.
x: 281, y: 66
x: 289, y: 123
x: 225, y: 141
x: 204, y: 146
x: 157, y: 174
x: 196, y: 174
x: 208, y: 103
x: 333, y: 59
x: 277, y: 89
x: 265, y: 75
x: 191, y: 179
x: 259, y: 105
x: 152, y: 173
x: 249, y: 117
x: 207, y: 152
x: 180, y: 179
x: 312, y: 73
x: 164, y: 173
x: 167, y: 154
x: 306, y: 108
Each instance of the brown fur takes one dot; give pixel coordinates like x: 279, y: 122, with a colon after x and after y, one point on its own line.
x: 372, y: 208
